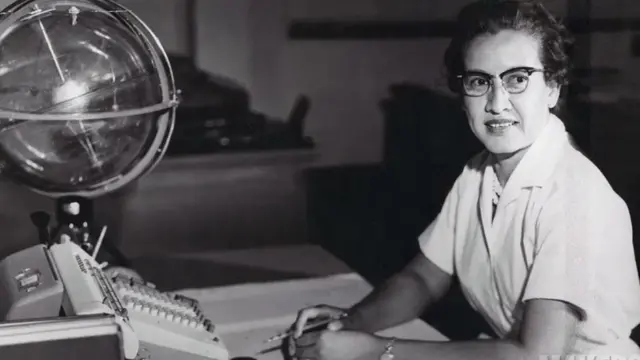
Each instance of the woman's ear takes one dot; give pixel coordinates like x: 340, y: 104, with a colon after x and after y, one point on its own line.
x: 554, y: 94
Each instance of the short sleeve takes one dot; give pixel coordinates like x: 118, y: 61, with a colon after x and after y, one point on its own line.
x: 572, y: 230
x: 437, y: 241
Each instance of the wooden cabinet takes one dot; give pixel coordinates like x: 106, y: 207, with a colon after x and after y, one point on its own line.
x: 218, y: 201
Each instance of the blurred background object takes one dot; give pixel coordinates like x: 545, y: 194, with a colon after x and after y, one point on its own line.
x: 215, y: 116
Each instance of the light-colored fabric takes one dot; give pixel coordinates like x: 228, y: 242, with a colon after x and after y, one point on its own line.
x: 559, y: 232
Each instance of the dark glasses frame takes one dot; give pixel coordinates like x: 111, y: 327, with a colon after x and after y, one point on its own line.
x: 491, y: 79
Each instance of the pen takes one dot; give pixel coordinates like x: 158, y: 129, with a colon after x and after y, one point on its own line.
x: 306, y: 328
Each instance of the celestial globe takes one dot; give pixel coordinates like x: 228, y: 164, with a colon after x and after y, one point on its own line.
x: 87, y: 96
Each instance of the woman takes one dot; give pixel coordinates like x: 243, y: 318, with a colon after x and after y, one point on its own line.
x: 540, y: 242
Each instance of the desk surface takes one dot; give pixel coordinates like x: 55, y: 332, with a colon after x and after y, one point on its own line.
x: 246, y: 315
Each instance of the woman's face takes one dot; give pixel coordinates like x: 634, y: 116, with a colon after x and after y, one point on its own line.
x: 504, y: 122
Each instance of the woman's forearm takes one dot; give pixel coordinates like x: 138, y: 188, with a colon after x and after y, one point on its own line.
x: 401, y: 298
x: 460, y: 350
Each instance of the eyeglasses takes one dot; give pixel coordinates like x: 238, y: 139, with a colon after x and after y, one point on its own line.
x: 514, y: 81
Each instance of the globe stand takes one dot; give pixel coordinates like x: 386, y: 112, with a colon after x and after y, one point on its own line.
x: 75, y: 220
x: 75, y: 215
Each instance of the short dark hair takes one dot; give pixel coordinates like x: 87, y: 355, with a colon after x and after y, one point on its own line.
x: 492, y: 16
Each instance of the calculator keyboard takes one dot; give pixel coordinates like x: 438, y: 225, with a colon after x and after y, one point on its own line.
x: 168, y: 320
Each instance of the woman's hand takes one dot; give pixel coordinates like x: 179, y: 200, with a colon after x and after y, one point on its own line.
x: 331, y: 343
x: 319, y: 313
x: 337, y: 345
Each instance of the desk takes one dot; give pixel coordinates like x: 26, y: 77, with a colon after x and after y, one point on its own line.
x: 245, y: 315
